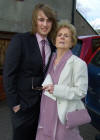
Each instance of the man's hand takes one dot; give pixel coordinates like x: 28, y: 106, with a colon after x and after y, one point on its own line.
x: 16, y: 108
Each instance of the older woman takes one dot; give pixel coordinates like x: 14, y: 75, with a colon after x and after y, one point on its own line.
x: 64, y: 87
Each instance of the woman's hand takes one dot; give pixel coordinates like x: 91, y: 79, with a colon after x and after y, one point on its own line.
x: 49, y: 88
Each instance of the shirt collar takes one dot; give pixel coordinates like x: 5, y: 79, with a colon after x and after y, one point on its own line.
x: 39, y: 38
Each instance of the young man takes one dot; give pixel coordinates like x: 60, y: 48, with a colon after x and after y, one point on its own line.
x: 24, y: 72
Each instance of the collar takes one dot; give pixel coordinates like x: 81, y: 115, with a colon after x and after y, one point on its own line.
x: 39, y: 38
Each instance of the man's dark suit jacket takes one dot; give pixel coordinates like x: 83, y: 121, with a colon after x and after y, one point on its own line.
x: 23, y: 67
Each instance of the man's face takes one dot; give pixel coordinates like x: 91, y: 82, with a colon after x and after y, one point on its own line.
x: 44, y: 25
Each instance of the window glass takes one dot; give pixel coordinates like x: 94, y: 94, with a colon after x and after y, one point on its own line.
x: 96, y: 59
x: 3, y: 46
x: 95, y: 44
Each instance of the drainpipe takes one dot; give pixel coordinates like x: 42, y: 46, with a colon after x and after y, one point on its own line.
x: 73, y: 10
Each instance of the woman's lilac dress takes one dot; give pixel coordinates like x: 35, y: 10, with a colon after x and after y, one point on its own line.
x: 50, y: 127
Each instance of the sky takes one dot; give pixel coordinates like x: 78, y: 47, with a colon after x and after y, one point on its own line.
x: 90, y: 9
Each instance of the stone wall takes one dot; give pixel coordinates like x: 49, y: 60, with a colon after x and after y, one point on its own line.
x: 15, y: 16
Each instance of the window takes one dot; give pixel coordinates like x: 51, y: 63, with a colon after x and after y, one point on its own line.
x: 96, y: 59
x: 19, y: 0
x: 3, y: 46
x: 95, y: 44
x: 5, y: 38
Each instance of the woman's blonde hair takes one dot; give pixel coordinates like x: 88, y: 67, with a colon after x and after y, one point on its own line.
x: 49, y: 13
x: 68, y: 25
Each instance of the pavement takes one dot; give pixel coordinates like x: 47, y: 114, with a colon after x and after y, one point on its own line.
x: 5, y: 122
x: 87, y: 131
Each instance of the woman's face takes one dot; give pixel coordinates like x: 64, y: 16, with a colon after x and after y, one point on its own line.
x: 64, y: 39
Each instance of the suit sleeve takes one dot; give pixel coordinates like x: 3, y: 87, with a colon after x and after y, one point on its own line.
x: 79, y: 86
x: 10, y: 73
